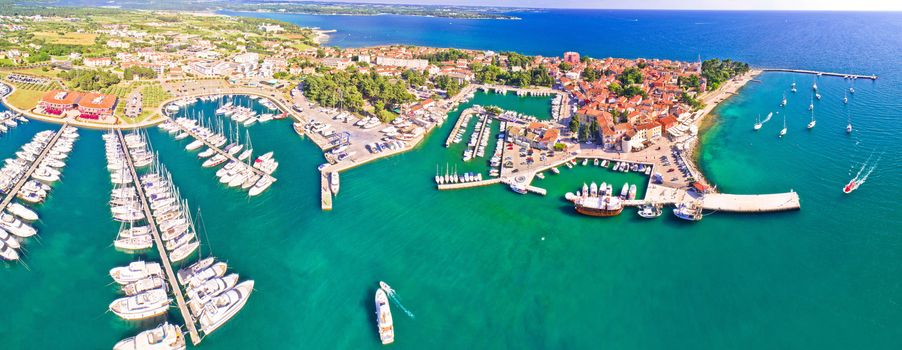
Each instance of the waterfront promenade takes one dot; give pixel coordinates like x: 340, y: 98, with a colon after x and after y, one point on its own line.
x: 158, y: 241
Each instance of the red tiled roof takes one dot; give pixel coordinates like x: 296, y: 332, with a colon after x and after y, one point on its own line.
x: 61, y: 97
x: 97, y: 101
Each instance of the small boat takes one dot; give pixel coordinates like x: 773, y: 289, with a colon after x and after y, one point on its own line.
x: 849, y: 126
x: 817, y: 96
x: 384, y: 319
x: 22, y: 212
x: 555, y: 170
x: 135, y: 271
x: 185, y: 273
x: 225, y: 306
x: 519, y: 188
x: 783, y: 101
x: 851, y: 186
x: 148, y: 304
x: 334, y: 183
x: 757, y: 122
x: 845, y: 99
x: 688, y: 211
x: 783, y: 131
x: 812, y: 122
x: 625, y: 190
x: 144, y: 285
x: 650, y: 210
x: 7, y: 252
x: 164, y: 337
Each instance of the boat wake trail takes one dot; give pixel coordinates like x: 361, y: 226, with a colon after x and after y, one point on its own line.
x: 869, y: 171
x: 394, y: 297
x: 769, y: 115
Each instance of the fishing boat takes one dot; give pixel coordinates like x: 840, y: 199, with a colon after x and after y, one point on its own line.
x: 383, y: 318
x: 757, y: 122
x: 812, y: 122
x: 164, y: 337
x: 224, y: 307
x: 688, y: 211
x: 650, y: 210
x: 334, y: 183
x: 148, y: 304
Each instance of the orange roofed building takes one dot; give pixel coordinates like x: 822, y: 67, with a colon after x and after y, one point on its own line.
x: 57, y: 102
x: 96, y: 106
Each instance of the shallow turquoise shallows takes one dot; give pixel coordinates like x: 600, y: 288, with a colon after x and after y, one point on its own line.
x: 488, y: 268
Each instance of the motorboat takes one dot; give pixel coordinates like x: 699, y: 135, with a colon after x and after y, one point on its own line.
x: 143, y: 285
x: 135, y: 271
x: 225, y: 306
x: 187, y: 272
x: 384, y: 318
x: 148, y: 304
x: 650, y: 210
x: 688, y: 211
x: 164, y: 337
x: 195, y: 280
x: 22, y: 212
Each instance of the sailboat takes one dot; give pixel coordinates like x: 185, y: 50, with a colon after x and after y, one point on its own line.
x: 758, y: 122
x: 783, y: 102
x: 814, y: 85
x: 793, y: 88
x: 783, y: 132
x: 845, y: 98
x: 812, y: 122
x: 811, y: 105
x: 849, y: 125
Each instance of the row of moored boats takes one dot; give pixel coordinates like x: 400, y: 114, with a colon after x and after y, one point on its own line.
x: 16, y: 218
x: 240, y: 169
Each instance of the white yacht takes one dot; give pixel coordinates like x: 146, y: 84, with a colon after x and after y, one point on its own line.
x: 224, y: 307
x: 7, y: 252
x: 164, y: 337
x: 15, y: 226
x: 148, y: 304
x: 144, y: 285
x: 200, y: 296
x: 186, y: 272
x: 260, y: 186
x: 334, y: 183
x: 183, y: 251
x: 197, y: 279
x: 135, y: 271
x: 11, y: 241
x: 384, y: 319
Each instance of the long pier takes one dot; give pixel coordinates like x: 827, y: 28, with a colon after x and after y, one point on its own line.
x: 218, y: 150
x: 829, y: 74
x: 735, y: 203
x: 457, y: 125
x: 461, y: 185
x: 31, y: 168
x: 158, y: 240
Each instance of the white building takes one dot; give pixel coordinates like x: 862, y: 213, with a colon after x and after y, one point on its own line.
x: 402, y: 62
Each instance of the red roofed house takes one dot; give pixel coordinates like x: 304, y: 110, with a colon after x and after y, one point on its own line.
x: 571, y: 57
x: 96, y: 106
x: 57, y: 102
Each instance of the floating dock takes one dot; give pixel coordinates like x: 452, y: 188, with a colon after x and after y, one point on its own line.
x: 829, y: 74
x: 158, y: 240
x: 31, y: 168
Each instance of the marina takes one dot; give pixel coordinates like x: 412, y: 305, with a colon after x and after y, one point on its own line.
x: 158, y: 241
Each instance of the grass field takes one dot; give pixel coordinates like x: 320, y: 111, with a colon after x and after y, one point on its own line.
x: 25, y: 99
x: 70, y: 38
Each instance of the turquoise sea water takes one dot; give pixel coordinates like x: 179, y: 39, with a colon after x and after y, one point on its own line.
x: 487, y: 268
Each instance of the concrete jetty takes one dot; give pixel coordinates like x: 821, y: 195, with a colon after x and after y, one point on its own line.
x: 325, y: 191
x: 158, y: 240
x: 31, y: 168
x: 461, y: 185
x: 220, y: 151
x: 830, y: 74
x: 736, y: 203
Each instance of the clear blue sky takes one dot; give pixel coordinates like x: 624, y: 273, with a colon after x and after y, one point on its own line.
x: 825, y: 5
